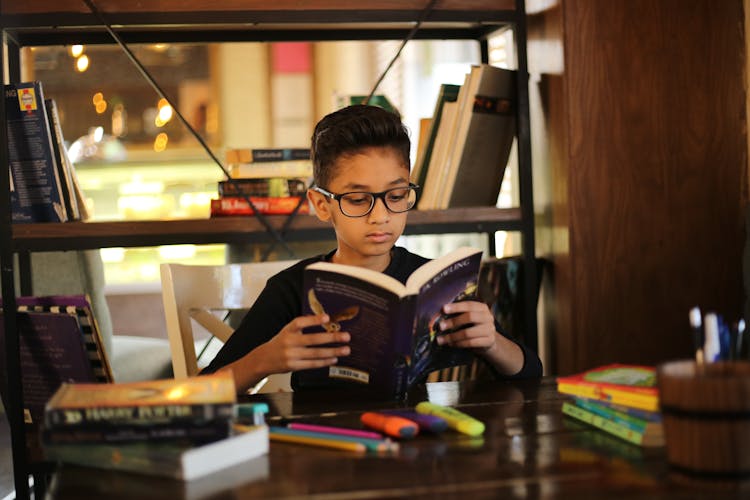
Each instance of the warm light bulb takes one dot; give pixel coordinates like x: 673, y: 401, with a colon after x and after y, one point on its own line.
x: 76, y: 50
x: 82, y: 63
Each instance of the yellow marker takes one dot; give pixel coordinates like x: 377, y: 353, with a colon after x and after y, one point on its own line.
x: 456, y: 420
x: 322, y: 442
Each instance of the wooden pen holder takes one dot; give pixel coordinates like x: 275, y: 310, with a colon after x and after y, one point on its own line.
x: 706, y: 414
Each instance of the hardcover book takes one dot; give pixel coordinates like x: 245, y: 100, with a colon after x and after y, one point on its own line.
x: 64, y: 165
x: 628, y: 385
x: 393, y: 327
x: 448, y: 93
x: 484, y: 133
x: 202, y: 398
x: 651, y: 437
x: 244, y: 452
x: 260, y: 155
x: 236, y: 205
x: 192, y: 431
x: 36, y: 189
x: 265, y: 187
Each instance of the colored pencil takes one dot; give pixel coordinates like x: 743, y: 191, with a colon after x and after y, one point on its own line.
x: 369, y: 444
x: 341, y: 431
x: 333, y: 443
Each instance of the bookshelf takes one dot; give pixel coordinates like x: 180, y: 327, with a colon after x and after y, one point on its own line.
x: 57, y: 22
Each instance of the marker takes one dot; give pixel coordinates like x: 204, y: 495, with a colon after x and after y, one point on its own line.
x: 696, y: 325
x: 429, y: 423
x: 340, y: 431
x: 392, y: 425
x: 456, y: 420
x: 256, y: 412
x: 330, y: 442
x: 740, y: 337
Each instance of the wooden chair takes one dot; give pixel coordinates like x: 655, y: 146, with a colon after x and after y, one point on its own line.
x: 199, y: 293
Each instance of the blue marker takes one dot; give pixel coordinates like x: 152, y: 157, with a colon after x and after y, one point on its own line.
x: 429, y: 423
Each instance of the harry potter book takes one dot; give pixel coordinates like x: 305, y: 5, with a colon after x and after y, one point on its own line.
x: 393, y: 327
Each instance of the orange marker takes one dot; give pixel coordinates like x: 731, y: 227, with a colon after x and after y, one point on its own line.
x: 392, y: 425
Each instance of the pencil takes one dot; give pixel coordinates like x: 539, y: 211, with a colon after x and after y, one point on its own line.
x: 333, y: 443
x: 369, y: 444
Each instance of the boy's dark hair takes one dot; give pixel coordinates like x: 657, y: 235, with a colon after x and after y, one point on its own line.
x: 349, y: 131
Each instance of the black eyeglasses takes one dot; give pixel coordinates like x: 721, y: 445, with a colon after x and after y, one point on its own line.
x: 361, y: 203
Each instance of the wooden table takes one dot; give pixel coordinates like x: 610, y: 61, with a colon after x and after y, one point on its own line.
x: 529, y: 450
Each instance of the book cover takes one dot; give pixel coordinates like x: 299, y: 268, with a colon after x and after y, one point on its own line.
x: 64, y: 165
x: 612, y: 427
x: 36, y: 190
x: 52, y: 353
x: 447, y: 93
x: 235, y: 205
x: 393, y: 327
x: 274, y: 187
x: 647, y: 427
x: 434, y: 178
x: 628, y: 385
x: 207, y: 390
x: 79, y: 306
x: 484, y: 136
x: 182, y: 460
x: 194, y: 432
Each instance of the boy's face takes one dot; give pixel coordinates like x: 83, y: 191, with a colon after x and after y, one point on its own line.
x: 371, y: 236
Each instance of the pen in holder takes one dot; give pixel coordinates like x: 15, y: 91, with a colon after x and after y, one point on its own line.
x: 706, y: 415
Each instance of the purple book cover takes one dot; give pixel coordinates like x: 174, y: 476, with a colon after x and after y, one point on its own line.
x: 52, y: 352
x: 393, y: 327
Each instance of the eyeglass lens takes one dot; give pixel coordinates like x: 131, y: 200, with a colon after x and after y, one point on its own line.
x: 396, y: 200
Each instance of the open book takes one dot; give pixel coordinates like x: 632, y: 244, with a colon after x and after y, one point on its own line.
x: 393, y: 327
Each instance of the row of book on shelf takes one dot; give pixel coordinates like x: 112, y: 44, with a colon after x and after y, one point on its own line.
x: 619, y: 399
x: 43, y: 180
x: 462, y: 154
x: 461, y: 159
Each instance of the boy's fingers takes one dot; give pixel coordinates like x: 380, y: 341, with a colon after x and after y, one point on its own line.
x: 312, y: 339
x: 310, y: 320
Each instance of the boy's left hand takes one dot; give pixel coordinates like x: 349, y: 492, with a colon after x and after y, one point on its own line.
x: 476, y: 323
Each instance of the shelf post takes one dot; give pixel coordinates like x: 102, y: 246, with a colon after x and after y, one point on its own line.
x: 525, y: 180
x: 14, y: 401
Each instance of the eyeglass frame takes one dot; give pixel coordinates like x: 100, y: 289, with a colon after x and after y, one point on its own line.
x: 375, y: 196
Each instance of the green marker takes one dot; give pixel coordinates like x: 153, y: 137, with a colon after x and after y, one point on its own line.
x: 456, y: 420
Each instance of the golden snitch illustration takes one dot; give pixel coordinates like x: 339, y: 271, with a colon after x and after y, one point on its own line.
x: 334, y: 324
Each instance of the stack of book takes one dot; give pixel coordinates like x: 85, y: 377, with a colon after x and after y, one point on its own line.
x: 44, y: 184
x: 619, y: 399
x: 469, y: 142
x: 178, y: 428
x: 274, y: 179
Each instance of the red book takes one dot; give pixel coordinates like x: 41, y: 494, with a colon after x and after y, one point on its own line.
x: 285, y: 205
x: 628, y: 385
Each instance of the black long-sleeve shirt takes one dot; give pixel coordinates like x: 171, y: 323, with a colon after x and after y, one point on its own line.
x: 281, y: 301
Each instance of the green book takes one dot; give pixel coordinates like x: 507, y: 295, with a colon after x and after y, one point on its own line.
x: 636, y: 423
x: 612, y: 427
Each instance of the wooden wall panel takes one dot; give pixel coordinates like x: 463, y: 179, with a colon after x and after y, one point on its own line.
x: 655, y: 172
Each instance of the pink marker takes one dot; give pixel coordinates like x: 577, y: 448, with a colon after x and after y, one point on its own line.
x: 341, y: 431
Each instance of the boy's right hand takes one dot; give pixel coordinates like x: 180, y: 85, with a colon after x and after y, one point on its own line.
x: 292, y: 350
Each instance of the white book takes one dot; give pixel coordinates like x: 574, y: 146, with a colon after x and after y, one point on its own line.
x: 168, y: 459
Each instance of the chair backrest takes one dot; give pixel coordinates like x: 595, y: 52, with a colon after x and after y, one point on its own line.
x: 196, y: 292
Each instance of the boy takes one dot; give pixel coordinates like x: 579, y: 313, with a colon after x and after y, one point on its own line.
x: 361, y: 174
